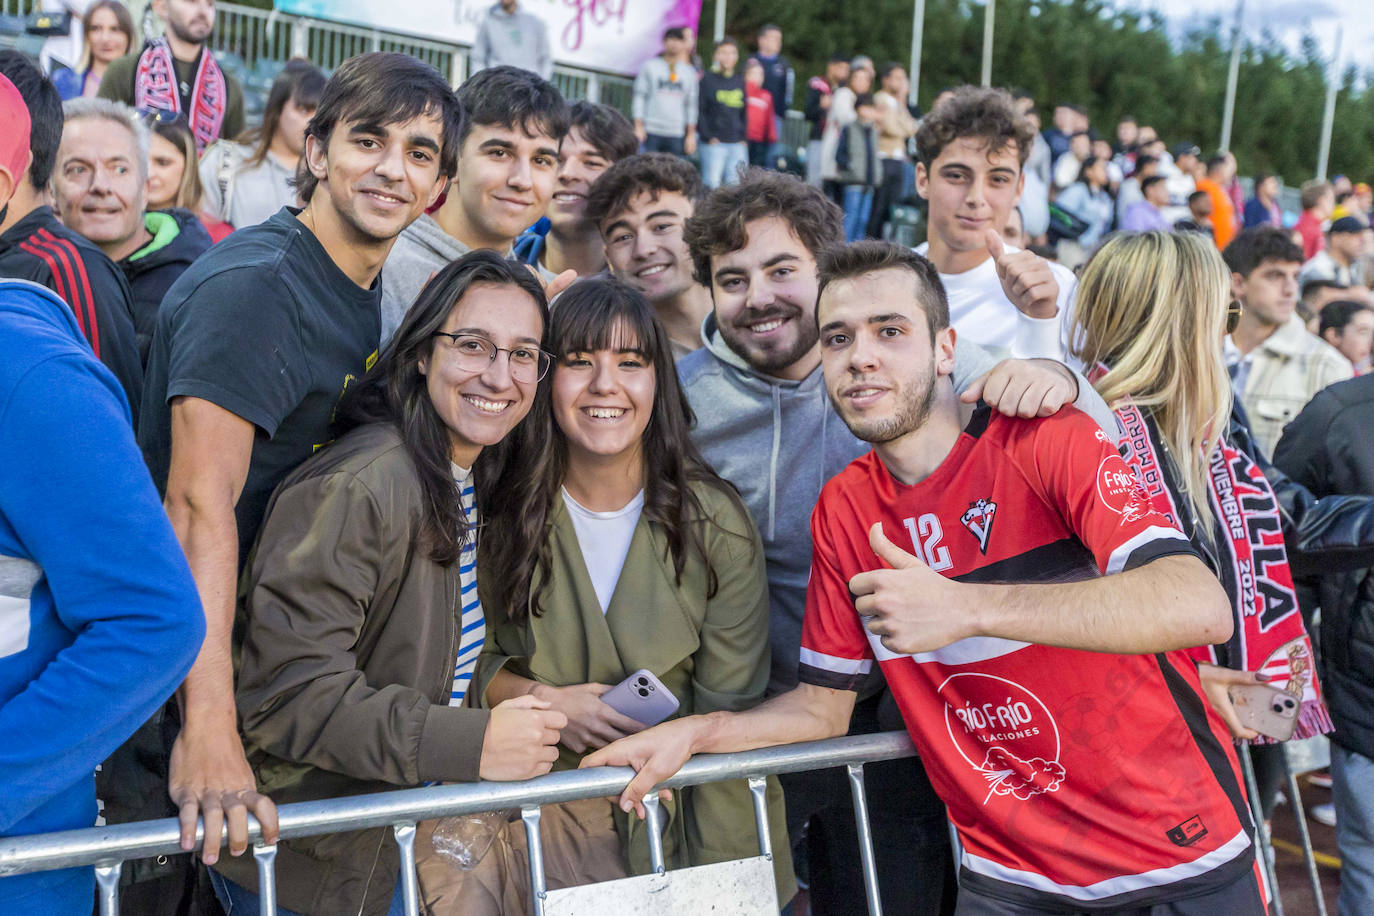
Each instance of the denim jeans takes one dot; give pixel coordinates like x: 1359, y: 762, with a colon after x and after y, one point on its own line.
x: 720, y: 162
x: 657, y: 143
x: 858, y: 202
x: 1352, y: 775
x: 237, y: 900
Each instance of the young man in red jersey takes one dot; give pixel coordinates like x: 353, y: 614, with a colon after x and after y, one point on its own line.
x: 1067, y: 736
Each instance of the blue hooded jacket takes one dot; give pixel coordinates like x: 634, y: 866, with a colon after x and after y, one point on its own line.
x: 99, y: 616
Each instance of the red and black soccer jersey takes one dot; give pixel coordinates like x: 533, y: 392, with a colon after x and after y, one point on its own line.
x: 1079, y: 780
x: 41, y: 249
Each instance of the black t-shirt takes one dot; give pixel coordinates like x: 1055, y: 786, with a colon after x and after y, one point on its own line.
x: 40, y: 249
x: 267, y: 326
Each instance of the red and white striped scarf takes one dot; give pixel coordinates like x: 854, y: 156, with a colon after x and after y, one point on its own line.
x: 1245, y: 549
x: 156, y: 86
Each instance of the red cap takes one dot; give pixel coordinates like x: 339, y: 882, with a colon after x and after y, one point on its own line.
x: 14, y: 131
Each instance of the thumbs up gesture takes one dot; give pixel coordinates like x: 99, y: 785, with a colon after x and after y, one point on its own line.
x: 1026, y: 278
x: 910, y: 607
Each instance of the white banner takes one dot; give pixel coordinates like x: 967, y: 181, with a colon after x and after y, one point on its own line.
x: 611, y: 35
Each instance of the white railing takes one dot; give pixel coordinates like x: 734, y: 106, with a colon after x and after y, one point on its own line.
x: 108, y: 848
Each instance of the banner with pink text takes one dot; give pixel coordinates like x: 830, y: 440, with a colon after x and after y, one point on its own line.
x: 611, y: 35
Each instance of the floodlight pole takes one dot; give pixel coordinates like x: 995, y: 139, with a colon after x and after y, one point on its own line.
x: 988, y: 17
x: 1329, y: 116
x: 918, y: 24
x: 1228, y: 112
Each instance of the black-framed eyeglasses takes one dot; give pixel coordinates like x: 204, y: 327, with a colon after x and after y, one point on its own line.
x: 1233, y: 315
x: 475, y: 353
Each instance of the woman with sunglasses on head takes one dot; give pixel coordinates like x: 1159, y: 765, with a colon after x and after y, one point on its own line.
x: 625, y: 552
x: 1152, y: 311
x: 107, y: 31
x: 173, y: 179
x: 363, y: 624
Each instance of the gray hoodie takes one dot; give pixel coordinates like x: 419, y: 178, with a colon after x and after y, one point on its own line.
x: 421, y: 249
x: 778, y: 442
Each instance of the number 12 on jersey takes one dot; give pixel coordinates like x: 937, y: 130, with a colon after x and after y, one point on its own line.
x: 926, y: 535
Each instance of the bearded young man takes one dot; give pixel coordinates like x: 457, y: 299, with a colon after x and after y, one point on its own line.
x: 177, y: 72
x: 1009, y: 690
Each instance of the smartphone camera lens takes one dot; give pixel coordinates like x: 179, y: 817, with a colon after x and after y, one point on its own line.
x: 642, y: 682
x: 643, y: 692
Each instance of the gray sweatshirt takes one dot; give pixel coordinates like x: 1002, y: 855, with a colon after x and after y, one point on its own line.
x: 665, y: 97
x: 518, y: 38
x: 778, y: 442
x: 421, y: 249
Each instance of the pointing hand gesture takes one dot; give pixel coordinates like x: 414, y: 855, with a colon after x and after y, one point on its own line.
x: 1026, y: 278
x: 911, y: 608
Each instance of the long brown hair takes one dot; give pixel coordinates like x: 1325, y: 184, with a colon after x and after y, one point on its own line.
x: 178, y: 133
x: 598, y: 314
x: 124, y: 21
x: 301, y: 82
x: 395, y: 391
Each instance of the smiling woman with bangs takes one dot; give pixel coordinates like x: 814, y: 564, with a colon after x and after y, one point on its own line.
x: 627, y: 552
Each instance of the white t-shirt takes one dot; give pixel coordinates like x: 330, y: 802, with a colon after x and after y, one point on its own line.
x: 605, y: 541
x: 981, y: 313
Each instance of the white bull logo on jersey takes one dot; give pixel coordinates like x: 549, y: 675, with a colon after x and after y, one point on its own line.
x: 1004, y: 732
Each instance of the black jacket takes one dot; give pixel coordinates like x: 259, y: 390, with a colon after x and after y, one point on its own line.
x: 41, y: 249
x: 1329, y: 448
x: 180, y: 238
x: 722, y: 108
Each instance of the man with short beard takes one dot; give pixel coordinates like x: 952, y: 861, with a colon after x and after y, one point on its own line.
x: 178, y: 73
x: 765, y: 425
x: 1037, y: 665
x: 99, y: 189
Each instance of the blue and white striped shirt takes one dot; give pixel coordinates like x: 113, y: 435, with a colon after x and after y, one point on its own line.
x: 473, y: 629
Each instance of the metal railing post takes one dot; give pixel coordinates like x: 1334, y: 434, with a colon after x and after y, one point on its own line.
x: 856, y: 788
x: 653, y: 822
x: 410, y: 891
x: 1301, y: 814
x: 266, y: 859
x: 758, y: 788
x: 538, y: 892
x: 107, y: 887
x: 1261, y: 832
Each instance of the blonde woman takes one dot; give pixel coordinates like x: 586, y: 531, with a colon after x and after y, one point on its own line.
x: 173, y: 176
x: 1152, y: 311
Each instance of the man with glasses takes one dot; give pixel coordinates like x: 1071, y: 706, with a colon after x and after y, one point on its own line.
x: 35, y: 246
x: 178, y: 73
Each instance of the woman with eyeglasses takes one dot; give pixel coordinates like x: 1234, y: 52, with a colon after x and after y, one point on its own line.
x: 626, y: 552
x: 363, y: 624
x: 1151, y: 313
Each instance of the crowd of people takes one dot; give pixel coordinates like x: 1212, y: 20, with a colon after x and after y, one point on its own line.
x: 375, y: 445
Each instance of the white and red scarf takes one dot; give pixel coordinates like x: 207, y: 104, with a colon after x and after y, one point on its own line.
x: 1245, y: 549
x: 156, y: 86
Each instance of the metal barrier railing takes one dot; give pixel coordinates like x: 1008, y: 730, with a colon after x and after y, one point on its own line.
x: 108, y: 848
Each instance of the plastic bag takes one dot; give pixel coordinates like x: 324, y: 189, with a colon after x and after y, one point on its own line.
x: 465, y: 839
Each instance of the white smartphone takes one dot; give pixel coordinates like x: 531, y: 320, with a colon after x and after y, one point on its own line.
x: 642, y: 697
x: 1266, y: 709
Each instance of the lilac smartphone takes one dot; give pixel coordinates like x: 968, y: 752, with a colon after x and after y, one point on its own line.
x: 642, y: 697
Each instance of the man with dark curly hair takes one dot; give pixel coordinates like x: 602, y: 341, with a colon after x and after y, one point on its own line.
x: 641, y: 206
x: 973, y: 149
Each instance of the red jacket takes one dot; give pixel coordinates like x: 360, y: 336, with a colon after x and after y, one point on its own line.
x: 763, y: 125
